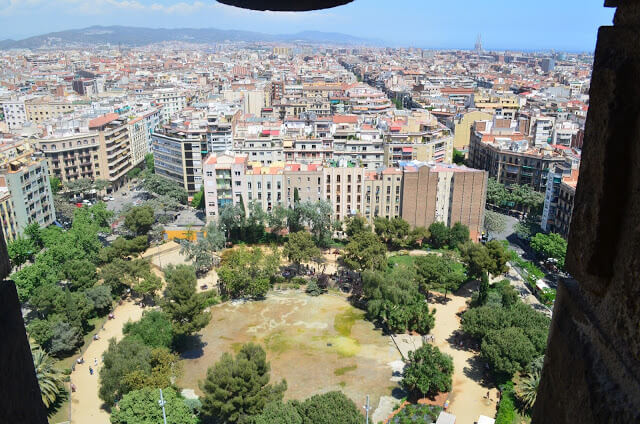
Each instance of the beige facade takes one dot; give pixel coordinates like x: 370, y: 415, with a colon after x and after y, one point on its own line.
x: 7, y: 215
x: 138, y: 138
x: 114, y: 152
x: 462, y: 131
x: 73, y: 156
x: 40, y: 110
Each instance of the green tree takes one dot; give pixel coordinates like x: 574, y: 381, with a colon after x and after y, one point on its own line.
x: 34, y: 233
x: 80, y: 273
x: 149, y: 285
x: 238, y: 388
x: 182, y: 304
x: 365, y: 251
x: 439, y: 234
x: 476, y: 258
x: 458, y: 234
x: 313, y: 288
x: 483, y: 289
x: 438, y: 272
x: 20, y: 251
x: 64, y: 338
x: 41, y: 330
x: 526, y: 389
x: 141, y: 407
x: 154, y: 329
x: 56, y: 185
x: 300, y: 247
x: 494, y: 222
x: 550, y: 246
x: 497, y: 194
x: 121, y: 359
x: 50, y: 380
x: 393, y: 301
x: 428, y: 372
x: 149, y: 162
x: 100, y: 297
x: 247, y: 272
x: 499, y: 258
x: 356, y: 224
x: 279, y: 413
x: 164, y: 187
x: 330, y: 407
x: 458, y: 157
x: 507, y: 350
x: 139, y: 219
x: 198, y: 199
x: 277, y: 219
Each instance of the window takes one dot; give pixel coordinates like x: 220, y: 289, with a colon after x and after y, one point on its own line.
x: 209, y: 174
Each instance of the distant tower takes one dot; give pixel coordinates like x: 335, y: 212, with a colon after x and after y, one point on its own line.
x: 478, y: 47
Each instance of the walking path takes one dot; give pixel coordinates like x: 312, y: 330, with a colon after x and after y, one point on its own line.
x: 468, y: 395
x: 86, y: 406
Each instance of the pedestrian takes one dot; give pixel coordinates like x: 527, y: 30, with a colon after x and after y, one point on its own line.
x: 95, y: 361
x: 90, y: 371
x: 73, y: 388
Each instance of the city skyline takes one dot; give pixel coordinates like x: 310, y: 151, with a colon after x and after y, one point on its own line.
x: 447, y: 27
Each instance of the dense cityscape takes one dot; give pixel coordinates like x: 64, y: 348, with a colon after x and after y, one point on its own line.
x: 288, y: 232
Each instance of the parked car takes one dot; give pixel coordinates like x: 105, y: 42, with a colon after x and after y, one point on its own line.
x: 107, y: 198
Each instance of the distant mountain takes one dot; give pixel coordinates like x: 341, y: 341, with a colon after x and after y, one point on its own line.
x: 134, y: 36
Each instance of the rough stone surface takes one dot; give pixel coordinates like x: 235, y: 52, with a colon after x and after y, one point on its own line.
x: 592, y: 369
x: 20, y: 400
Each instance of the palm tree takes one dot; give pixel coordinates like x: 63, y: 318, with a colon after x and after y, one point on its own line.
x: 527, y: 388
x: 49, y: 378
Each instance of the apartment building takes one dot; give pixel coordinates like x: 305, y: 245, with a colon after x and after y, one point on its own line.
x: 115, y: 151
x: 558, y: 200
x: 26, y: 178
x: 503, y: 105
x: 14, y: 112
x: 506, y: 155
x: 42, y: 109
x: 138, y: 137
x: 462, y: 127
x: 172, y: 101
x: 444, y: 193
x: 72, y: 152
x: 8, y: 219
x: 418, y: 192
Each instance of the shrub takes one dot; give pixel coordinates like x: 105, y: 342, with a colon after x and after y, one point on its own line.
x: 507, y: 407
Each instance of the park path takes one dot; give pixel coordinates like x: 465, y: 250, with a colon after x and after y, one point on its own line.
x: 86, y: 406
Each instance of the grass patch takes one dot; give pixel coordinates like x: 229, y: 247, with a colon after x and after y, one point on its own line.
x: 343, y: 322
x: 344, y: 370
x: 236, y: 347
x: 345, y: 346
x: 401, y: 260
x: 277, y: 342
x: 342, y: 384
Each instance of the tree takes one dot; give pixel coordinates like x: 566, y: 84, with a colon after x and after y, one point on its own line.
x: 476, y: 258
x: 80, y: 273
x: 64, y: 338
x: 198, y: 199
x: 56, y: 185
x: 313, y: 288
x: 230, y: 218
x: 41, y: 331
x: 499, y: 258
x: 330, y: 407
x: 120, y: 359
x: 356, y: 224
x: 393, y: 301
x: 483, y: 289
x: 201, y: 252
x: 438, y: 272
x: 149, y: 162
x: 550, y: 246
x: 494, y: 222
x: 428, y: 372
x: 439, y: 234
x: 526, y: 389
x: 182, y: 304
x: 164, y: 187
x: 238, y: 388
x: 149, y: 285
x: 247, y: 272
x: 507, y: 350
x: 141, y: 407
x: 458, y: 234
x: 279, y: 413
x: 458, y: 157
x: 100, y: 297
x: 365, y: 251
x: 300, y: 247
x: 20, y: 251
x: 497, y: 194
x: 154, y: 329
x: 34, y: 233
x: 139, y: 219
x: 50, y: 380
x: 316, y: 216
x: 277, y: 219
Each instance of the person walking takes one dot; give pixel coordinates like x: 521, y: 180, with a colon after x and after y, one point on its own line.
x: 90, y: 371
x: 95, y: 362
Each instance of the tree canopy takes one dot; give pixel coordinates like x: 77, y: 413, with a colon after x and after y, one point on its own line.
x: 550, y: 246
x: 182, y: 304
x: 247, y: 272
x: 237, y: 388
x: 300, y: 247
x: 141, y: 407
x: 139, y: 219
x: 365, y: 251
x: 428, y: 372
x: 439, y: 272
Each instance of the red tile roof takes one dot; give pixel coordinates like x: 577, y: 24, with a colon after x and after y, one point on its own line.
x: 345, y: 119
x: 103, y: 120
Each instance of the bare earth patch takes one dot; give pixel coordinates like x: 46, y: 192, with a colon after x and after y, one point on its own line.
x: 317, y: 344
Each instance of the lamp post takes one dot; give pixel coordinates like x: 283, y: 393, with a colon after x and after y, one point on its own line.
x: 161, y: 402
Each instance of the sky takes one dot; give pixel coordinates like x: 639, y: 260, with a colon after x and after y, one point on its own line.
x: 567, y: 25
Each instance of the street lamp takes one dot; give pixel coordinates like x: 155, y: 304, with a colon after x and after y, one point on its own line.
x: 366, y: 408
x: 162, y: 402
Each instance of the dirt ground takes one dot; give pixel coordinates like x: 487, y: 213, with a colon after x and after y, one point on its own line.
x: 467, y: 401
x: 317, y: 344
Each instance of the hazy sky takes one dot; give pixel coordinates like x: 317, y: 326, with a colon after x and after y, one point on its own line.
x: 504, y: 24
